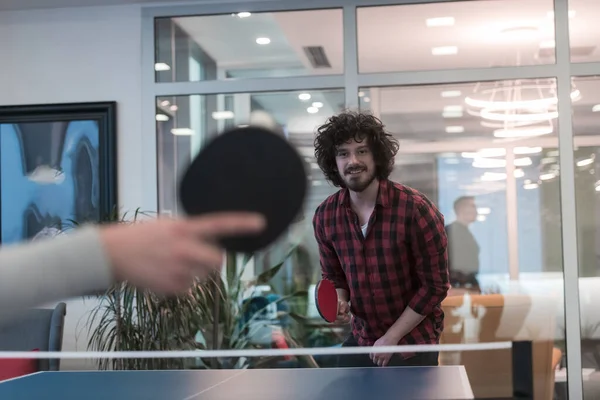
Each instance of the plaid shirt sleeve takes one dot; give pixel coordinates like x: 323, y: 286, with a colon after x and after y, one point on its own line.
x: 331, y: 268
x: 430, y: 251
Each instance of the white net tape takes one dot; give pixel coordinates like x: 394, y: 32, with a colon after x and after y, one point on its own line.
x: 312, y: 351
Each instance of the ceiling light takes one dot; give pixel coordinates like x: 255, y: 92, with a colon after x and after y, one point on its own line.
x: 490, y: 152
x: 451, y: 93
x: 243, y: 14
x: 165, y: 103
x: 488, y: 163
x: 304, y: 96
x: 584, y: 162
x: 527, y: 150
x: 518, y: 173
x: 361, y: 94
x: 452, y: 112
x: 366, y: 99
x: 522, y: 162
x: 444, y: 50
x: 182, y: 132
x: 528, y: 185
x: 493, y: 176
x: 596, y: 108
x: 317, y: 104
x: 484, y: 210
x: 312, y: 110
x: 263, y: 40
x: 161, y: 67
x: 441, y: 21
x: 455, y: 129
x: 548, y: 176
x: 481, y: 218
x: 220, y: 115
x: 162, y: 117
x: 174, y: 107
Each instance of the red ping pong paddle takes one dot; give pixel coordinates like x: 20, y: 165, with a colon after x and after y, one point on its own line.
x: 247, y: 169
x: 326, y: 300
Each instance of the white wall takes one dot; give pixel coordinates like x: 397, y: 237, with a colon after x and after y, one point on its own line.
x: 80, y: 55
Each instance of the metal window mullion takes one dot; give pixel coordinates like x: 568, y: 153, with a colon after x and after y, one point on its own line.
x: 585, y: 69
x: 350, y: 57
x: 464, y: 75
x: 568, y: 202
x: 249, y: 85
x: 150, y: 167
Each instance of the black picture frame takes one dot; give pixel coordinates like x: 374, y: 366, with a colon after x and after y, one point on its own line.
x: 68, y: 167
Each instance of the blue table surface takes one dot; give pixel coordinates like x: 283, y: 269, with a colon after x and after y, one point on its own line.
x: 426, y: 383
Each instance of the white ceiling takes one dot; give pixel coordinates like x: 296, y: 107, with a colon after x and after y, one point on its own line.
x: 396, y: 38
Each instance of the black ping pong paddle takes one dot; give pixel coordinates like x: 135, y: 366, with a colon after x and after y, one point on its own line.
x: 247, y: 169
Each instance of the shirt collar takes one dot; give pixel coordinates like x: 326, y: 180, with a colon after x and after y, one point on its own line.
x: 383, y: 195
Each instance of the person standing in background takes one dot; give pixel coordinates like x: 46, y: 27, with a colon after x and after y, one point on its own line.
x: 463, y: 249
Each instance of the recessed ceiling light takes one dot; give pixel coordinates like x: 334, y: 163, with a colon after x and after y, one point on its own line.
x: 263, y: 40
x: 165, y: 103
x: 173, y: 107
x: 312, y: 110
x: 317, y: 104
x: 243, y: 14
x: 596, y: 108
x: 366, y: 99
x: 455, y: 129
x: 161, y: 67
x: 444, y: 50
x: 304, y: 96
x: 441, y: 21
x: 182, y: 131
x: 162, y: 117
x: 451, y: 93
x: 452, y: 112
x: 220, y: 115
x: 361, y: 94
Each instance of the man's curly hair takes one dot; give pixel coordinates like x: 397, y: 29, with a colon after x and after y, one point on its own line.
x: 358, y: 126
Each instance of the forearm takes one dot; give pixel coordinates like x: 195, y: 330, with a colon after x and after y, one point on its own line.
x: 32, y: 274
x: 407, y: 321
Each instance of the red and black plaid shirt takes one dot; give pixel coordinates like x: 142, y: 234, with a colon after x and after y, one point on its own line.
x: 402, y: 261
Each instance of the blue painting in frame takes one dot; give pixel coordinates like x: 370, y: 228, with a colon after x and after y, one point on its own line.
x: 57, y: 165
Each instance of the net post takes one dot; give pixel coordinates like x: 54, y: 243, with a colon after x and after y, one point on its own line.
x: 522, y: 370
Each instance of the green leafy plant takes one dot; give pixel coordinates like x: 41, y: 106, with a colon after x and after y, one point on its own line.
x: 212, y: 314
x: 237, y: 321
x: 131, y: 319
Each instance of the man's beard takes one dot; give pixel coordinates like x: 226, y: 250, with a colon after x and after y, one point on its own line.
x: 357, y: 184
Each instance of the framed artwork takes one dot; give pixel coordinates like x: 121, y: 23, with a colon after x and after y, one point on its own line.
x: 57, y: 165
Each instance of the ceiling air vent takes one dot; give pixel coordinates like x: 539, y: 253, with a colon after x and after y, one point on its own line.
x: 317, y: 57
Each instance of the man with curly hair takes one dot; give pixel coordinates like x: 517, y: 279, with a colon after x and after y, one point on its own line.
x: 381, y: 243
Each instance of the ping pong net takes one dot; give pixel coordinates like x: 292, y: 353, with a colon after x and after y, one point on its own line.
x: 280, y: 353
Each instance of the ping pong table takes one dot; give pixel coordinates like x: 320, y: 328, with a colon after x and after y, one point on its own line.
x: 389, y: 383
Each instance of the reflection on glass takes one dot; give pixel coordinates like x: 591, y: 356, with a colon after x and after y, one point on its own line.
x: 485, y: 153
x: 587, y: 196
x: 464, y: 34
x: 583, y: 30
x: 249, y: 45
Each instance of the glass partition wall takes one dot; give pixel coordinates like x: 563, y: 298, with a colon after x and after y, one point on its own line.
x: 489, y: 104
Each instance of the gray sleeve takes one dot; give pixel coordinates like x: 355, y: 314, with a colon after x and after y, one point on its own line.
x: 67, y: 266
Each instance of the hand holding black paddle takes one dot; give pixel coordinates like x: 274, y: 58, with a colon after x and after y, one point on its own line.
x: 247, y: 169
